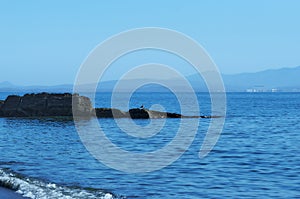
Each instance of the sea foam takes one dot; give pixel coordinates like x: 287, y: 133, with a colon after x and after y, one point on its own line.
x: 37, y: 189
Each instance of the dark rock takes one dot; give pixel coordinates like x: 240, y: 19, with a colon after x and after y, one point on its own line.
x: 145, y: 114
x: 210, y: 116
x: 1, y: 104
x: 44, y: 104
x: 33, y: 105
x: 10, y: 106
x: 137, y: 113
x: 110, y: 113
x: 174, y: 115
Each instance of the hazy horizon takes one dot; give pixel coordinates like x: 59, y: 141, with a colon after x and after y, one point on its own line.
x: 106, y: 80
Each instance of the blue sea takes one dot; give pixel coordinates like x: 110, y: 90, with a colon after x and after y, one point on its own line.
x: 256, y: 156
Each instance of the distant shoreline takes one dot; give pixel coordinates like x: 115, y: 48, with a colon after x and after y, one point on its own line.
x: 276, y: 80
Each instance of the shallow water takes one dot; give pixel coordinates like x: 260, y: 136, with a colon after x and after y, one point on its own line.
x: 256, y: 155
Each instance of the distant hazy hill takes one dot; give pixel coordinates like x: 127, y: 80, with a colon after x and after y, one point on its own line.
x: 9, y: 87
x: 6, y: 84
x: 285, y: 79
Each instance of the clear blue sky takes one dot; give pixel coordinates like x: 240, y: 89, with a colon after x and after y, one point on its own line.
x: 44, y: 42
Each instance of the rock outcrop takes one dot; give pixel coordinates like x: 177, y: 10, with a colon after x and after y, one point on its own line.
x: 137, y: 113
x: 44, y: 104
x: 1, y: 103
x: 65, y: 105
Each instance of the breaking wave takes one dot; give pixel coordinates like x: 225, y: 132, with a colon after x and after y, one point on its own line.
x: 38, y: 189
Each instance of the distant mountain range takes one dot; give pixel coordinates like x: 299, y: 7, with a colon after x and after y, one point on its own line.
x: 284, y: 80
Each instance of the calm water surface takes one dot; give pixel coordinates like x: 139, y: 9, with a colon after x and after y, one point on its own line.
x: 257, y: 154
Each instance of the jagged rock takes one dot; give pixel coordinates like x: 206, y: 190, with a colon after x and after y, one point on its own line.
x: 1, y: 103
x: 44, y: 104
x: 10, y: 106
x: 110, y: 113
x: 137, y: 113
x: 82, y: 105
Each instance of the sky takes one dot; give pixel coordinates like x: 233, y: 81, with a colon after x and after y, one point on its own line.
x: 45, y: 42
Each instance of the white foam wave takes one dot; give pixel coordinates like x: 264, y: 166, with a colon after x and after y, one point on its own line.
x: 37, y: 189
